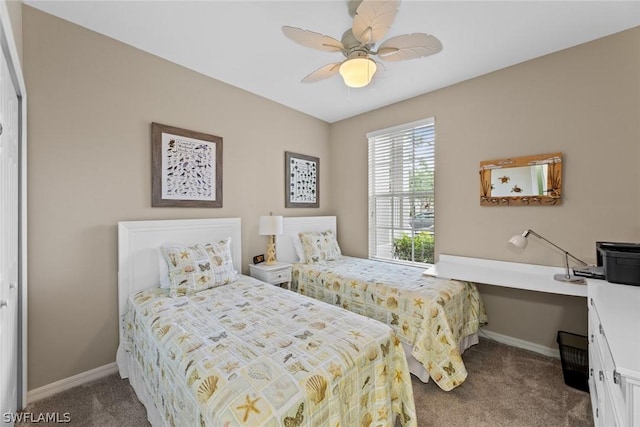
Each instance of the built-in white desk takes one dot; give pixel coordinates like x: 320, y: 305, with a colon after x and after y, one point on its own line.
x: 501, y: 273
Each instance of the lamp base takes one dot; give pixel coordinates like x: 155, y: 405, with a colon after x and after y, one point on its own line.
x: 271, y: 252
x: 570, y: 279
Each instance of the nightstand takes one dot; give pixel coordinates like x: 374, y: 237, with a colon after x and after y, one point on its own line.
x: 275, y: 274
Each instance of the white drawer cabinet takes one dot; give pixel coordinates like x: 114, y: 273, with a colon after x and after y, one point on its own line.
x: 274, y: 274
x: 614, y: 353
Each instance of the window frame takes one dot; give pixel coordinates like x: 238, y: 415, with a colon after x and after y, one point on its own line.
x: 401, y: 191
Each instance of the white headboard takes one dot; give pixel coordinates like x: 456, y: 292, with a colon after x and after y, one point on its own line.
x: 138, y: 243
x: 285, y: 251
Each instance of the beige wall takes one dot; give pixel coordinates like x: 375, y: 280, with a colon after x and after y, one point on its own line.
x: 584, y: 102
x: 91, y: 103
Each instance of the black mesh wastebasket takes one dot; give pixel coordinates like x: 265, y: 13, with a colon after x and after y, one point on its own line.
x: 574, y: 355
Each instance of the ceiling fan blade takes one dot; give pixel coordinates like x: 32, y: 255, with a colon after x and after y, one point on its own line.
x: 409, y: 46
x: 323, y: 73
x: 373, y: 19
x: 313, y: 40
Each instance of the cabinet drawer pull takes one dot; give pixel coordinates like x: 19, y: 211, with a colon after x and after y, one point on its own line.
x: 3, y: 303
x: 591, y: 372
x: 592, y: 339
x: 601, y: 329
x: 601, y: 375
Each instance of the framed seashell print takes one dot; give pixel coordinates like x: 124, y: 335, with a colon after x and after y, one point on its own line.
x: 186, y: 168
x: 302, y: 181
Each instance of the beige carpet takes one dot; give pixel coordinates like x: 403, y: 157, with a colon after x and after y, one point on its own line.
x: 506, y: 387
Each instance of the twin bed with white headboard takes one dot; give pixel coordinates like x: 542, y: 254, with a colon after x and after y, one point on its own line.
x: 436, y: 319
x: 233, y: 350
x: 138, y: 243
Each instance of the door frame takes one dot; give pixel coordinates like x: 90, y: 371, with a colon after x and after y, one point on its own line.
x: 9, y: 49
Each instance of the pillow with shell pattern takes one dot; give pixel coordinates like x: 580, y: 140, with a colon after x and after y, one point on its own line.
x: 198, y: 267
x: 319, y: 246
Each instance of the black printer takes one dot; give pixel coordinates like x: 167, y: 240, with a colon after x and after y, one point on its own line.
x: 620, y: 262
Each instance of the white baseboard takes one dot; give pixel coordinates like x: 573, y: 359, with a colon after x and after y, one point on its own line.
x: 67, y: 383
x: 516, y: 342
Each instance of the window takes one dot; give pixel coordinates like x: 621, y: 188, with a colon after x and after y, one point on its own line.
x: 401, y: 193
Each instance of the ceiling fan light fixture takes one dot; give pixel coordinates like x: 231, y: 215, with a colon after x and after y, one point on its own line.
x: 371, y: 21
x: 358, y: 72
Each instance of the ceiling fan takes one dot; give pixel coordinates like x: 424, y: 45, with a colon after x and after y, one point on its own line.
x: 371, y: 21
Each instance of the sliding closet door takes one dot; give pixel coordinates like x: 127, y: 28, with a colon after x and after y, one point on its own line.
x: 9, y: 210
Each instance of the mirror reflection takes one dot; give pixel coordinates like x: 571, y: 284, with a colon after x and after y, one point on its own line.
x: 519, y: 181
x: 529, y: 180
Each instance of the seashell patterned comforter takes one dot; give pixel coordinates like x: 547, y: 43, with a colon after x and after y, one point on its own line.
x: 430, y: 314
x: 252, y: 354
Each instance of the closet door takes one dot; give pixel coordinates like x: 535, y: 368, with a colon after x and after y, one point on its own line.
x: 9, y: 210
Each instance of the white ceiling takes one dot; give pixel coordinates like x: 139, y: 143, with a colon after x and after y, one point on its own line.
x: 241, y: 42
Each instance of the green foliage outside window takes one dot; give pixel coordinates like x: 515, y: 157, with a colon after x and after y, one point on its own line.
x: 422, y: 243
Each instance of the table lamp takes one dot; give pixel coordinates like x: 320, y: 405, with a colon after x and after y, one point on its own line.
x: 270, y: 226
x: 520, y: 241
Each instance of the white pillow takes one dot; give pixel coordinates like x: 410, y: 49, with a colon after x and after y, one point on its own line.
x: 297, y: 245
x: 164, y: 270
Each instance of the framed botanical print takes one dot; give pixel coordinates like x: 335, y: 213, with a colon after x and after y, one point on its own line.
x: 186, y: 168
x: 302, y: 181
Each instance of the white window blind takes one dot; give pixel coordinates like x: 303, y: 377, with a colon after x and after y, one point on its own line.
x: 401, y: 192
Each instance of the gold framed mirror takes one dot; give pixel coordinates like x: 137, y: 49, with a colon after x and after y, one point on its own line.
x: 528, y: 180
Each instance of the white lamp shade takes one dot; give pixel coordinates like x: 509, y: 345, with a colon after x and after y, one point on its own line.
x: 357, y: 72
x: 270, y: 225
x: 519, y: 241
